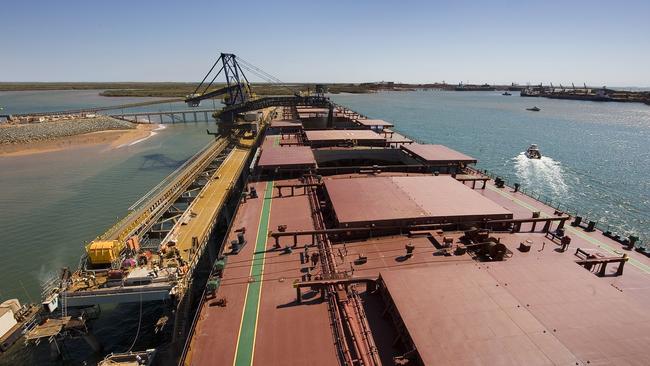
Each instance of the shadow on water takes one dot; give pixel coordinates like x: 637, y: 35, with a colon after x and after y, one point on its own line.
x: 160, y: 161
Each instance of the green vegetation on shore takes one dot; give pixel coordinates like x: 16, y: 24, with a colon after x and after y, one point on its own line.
x: 181, y: 90
x: 173, y: 89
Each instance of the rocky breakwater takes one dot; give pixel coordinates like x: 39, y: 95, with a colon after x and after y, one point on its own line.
x: 24, y: 133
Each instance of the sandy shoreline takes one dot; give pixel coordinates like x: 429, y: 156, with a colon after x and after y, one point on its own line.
x: 116, y: 139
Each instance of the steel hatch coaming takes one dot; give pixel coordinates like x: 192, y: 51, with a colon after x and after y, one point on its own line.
x: 417, y: 199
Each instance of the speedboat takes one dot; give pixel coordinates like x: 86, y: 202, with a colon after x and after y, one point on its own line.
x: 533, y: 152
x: 506, y: 93
x: 534, y: 109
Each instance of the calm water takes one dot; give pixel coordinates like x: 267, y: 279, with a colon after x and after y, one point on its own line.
x: 53, y: 203
x: 595, y: 154
x: 46, y: 101
x: 595, y: 162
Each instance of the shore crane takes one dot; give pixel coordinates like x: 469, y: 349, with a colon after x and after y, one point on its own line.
x: 240, y: 97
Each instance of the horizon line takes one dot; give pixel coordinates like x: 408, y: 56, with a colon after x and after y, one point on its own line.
x: 581, y: 85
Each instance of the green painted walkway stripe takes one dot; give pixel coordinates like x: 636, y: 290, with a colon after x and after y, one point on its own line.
x: 642, y: 266
x: 248, y: 327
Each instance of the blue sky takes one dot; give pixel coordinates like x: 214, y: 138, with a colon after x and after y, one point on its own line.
x: 597, y: 42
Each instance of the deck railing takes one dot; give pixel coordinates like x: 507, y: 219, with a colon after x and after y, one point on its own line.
x: 561, y: 206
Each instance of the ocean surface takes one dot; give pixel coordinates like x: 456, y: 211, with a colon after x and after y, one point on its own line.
x: 595, y: 163
x: 595, y: 155
x: 52, y: 203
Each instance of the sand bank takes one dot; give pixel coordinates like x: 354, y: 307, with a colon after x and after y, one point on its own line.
x: 114, y: 138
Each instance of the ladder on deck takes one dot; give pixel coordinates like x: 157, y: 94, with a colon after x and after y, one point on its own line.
x: 64, y: 299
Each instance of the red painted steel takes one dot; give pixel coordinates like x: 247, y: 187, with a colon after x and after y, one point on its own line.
x: 438, y: 154
x: 536, y: 307
x: 373, y: 122
x: 343, y: 135
x: 415, y: 198
x: 287, y: 124
x: 286, y: 157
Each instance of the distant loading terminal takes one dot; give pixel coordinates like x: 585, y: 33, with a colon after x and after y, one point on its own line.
x: 310, y: 202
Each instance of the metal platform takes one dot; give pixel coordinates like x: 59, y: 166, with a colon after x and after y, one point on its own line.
x: 391, y: 201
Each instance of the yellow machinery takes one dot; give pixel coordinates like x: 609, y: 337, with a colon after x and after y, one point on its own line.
x: 104, y: 251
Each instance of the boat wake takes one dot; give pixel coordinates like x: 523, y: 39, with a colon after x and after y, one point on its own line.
x: 543, y: 174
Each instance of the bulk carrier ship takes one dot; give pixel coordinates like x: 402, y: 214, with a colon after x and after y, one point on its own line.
x: 345, y: 242
x: 363, y: 247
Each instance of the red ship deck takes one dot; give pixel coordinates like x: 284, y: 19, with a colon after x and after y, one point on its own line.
x: 286, y: 157
x: 329, y: 137
x: 437, y: 154
x: 534, y: 308
x: 601, y: 320
x: 272, y: 141
x: 519, y: 312
x: 415, y: 199
x: 287, y: 124
x: 373, y: 123
x: 281, y: 333
x: 396, y: 138
x: 308, y: 112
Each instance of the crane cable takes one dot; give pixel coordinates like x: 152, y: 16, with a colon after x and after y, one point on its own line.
x: 269, y: 80
x: 265, y: 75
x: 137, y: 334
x: 260, y: 72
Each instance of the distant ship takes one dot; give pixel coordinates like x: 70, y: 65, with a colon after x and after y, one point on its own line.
x: 533, y: 152
x: 534, y: 109
x: 506, y: 93
x: 472, y: 87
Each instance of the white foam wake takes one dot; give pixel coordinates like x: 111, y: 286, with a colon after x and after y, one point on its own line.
x: 541, y: 174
